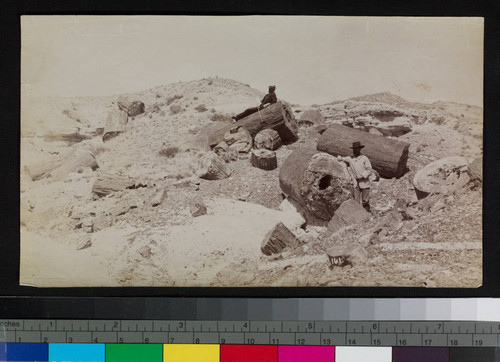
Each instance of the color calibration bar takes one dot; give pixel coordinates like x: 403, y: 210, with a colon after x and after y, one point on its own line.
x: 237, y: 353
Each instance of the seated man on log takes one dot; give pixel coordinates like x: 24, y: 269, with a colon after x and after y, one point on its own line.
x: 362, y: 173
x: 269, y: 98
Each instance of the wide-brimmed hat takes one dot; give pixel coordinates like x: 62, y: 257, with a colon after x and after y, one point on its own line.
x: 357, y: 145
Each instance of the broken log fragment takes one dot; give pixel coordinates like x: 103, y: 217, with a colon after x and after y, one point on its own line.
x: 238, y: 139
x: 132, y: 108
x: 317, y: 182
x: 197, y: 206
x: 79, y: 159
x: 277, y: 239
x: 441, y: 177
x: 109, y: 183
x: 264, y: 159
x: 268, y: 139
x: 387, y: 156
x: 349, y: 213
x: 214, y: 168
x: 475, y: 170
x: 115, y: 124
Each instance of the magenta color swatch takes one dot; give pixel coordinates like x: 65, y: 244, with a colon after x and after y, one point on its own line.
x: 306, y: 353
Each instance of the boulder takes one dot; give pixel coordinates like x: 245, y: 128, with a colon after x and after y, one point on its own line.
x: 197, y: 206
x: 311, y: 117
x: 132, y: 108
x: 277, y: 239
x: 214, y: 168
x: 349, y: 213
x: 475, y: 170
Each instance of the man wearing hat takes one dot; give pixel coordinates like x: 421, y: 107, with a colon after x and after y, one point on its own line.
x: 362, y: 172
x: 269, y: 98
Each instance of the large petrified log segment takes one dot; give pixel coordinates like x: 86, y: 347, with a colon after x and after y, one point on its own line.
x: 79, y: 159
x: 109, y: 183
x: 311, y: 117
x: 349, y: 213
x: 264, y: 159
x: 441, y: 177
x: 316, y: 181
x: 214, y: 168
x: 115, y: 124
x: 387, y: 156
x: 277, y: 239
x: 268, y: 139
x: 238, y: 139
x: 277, y: 116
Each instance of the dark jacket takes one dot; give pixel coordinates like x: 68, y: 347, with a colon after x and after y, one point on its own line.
x: 269, y: 98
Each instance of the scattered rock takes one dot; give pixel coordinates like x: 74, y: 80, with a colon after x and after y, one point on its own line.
x: 158, y: 197
x: 145, y: 252
x: 79, y: 159
x: 245, y: 196
x: 238, y: 139
x: 197, y: 206
x: 106, y: 184
x: 475, y: 170
x: 169, y: 152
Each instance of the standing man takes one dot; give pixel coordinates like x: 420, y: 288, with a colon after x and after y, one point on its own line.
x: 362, y: 172
x: 269, y: 98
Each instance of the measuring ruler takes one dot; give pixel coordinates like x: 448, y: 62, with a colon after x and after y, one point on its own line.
x: 310, y: 333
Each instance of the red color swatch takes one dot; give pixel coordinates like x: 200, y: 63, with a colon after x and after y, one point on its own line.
x: 248, y: 353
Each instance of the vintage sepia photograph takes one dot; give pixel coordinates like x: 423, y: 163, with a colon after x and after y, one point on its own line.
x: 251, y: 151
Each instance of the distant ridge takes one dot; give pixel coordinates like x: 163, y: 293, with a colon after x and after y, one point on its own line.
x: 388, y: 98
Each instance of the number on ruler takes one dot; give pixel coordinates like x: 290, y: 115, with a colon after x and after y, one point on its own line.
x: 45, y: 339
x: 377, y: 342
x: 453, y: 342
x: 301, y: 341
x: 70, y: 339
x: 351, y: 341
x: 120, y: 340
x: 374, y: 327
x: 222, y: 340
x: 327, y: 341
x: 402, y: 342
x: 250, y: 341
x: 427, y: 342
x: 146, y: 340
x: 197, y: 341
x: 478, y: 342
x: 276, y: 341
x: 115, y: 325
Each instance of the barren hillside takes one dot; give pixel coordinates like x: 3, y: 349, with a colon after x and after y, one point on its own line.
x: 73, y: 236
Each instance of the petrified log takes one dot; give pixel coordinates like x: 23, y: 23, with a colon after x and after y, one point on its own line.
x: 132, y: 108
x: 277, y: 116
x: 115, y: 124
x: 264, y: 159
x: 268, y: 139
x: 277, y: 239
x: 197, y: 206
x: 108, y: 183
x: 79, y: 159
x: 387, y: 156
x: 316, y: 181
x: 311, y: 117
x: 441, y: 177
x: 349, y: 213
x: 43, y: 169
x: 214, y: 168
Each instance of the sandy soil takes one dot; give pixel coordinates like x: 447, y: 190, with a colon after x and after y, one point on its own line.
x: 128, y: 242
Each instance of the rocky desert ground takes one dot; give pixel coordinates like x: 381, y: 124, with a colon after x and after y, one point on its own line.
x: 144, y: 233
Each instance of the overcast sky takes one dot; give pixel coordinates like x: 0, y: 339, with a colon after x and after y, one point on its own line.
x: 309, y: 59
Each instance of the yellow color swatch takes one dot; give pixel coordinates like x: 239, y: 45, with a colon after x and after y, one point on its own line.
x: 191, y: 353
